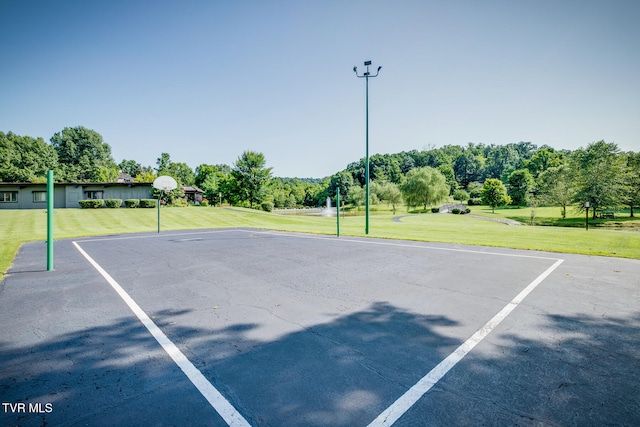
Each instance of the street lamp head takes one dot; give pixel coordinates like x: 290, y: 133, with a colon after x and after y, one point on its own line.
x: 367, y: 63
x: 355, y: 70
x: 379, y: 68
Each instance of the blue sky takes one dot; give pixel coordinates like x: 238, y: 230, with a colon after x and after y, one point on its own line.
x: 207, y: 80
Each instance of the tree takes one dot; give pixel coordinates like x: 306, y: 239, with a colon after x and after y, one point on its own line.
x: 599, y: 170
x: 250, y: 175
x: 179, y: 171
x: 494, y: 194
x: 25, y: 159
x: 424, y: 186
x: 182, y: 173
x: 82, y: 155
x: 130, y: 167
x: 468, y: 167
x: 357, y: 196
x: 544, y: 159
x: 520, y: 183
x: 557, y: 187
x: 450, y: 176
x: 147, y: 174
x: 207, y: 180
x: 163, y: 162
x: 501, y: 160
x: 391, y: 193
x: 631, y: 195
x: 341, y: 181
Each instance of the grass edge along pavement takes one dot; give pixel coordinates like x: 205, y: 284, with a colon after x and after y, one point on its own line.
x: 19, y: 226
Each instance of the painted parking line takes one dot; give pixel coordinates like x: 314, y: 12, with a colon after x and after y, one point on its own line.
x: 213, y: 396
x: 390, y: 415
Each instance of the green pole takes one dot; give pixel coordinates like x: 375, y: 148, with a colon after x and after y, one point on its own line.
x: 338, y: 212
x: 50, y: 198
x: 366, y: 166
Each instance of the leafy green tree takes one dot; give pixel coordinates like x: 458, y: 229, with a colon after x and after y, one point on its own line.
x: 631, y: 192
x: 163, y: 162
x: 599, y: 170
x: 341, y: 181
x: 501, y: 159
x: 390, y: 192
x: 357, y: 195
x: 424, y: 186
x: 148, y: 174
x: 207, y: 180
x: 82, y: 154
x: 25, y: 159
x: 544, y: 159
x: 557, y: 187
x: 468, y: 167
x: 494, y: 194
x: 130, y: 167
x: 250, y: 175
x: 520, y: 183
x: 450, y: 176
x: 182, y: 173
x: 475, y: 189
x: 460, y: 195
x: 107, y: 174
x: 179, y: 171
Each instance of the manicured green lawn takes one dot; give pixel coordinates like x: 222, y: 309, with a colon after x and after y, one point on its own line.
x: 17, y: 227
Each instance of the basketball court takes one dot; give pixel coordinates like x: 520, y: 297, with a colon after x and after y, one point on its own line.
x: 261, y: 328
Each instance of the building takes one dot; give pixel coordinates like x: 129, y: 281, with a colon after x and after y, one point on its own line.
x: 193, y: 194
x: 27, y: 195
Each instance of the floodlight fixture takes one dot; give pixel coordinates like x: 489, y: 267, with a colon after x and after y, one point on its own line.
x: 367, y: 63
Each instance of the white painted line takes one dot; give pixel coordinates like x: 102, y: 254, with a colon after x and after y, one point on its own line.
x: 156, y: 235
x: 417, y: 244
x: 213, y: 396
x: 408, y: 399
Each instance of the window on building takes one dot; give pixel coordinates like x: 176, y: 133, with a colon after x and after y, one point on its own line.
x: 39, y: 196
x: 93, y: 194
x: 8, y: 196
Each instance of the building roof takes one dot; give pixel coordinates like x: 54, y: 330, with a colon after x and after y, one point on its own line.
x: 191, y: 189
x: 103, y: 184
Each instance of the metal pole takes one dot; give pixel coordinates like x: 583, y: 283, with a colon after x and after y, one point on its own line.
x: 366, y: 171
x: 50, y: 206
x: 338, y: 212
x: 586, y: 219
x: 158, y: 212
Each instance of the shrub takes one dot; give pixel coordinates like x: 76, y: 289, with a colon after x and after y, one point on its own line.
x: 467, y: 210
x: 132, y: 203
x: 455, y: 211
x: 179, y: 203
x: 435, y: 210
x: 460, y: 195
x: 91, y: 203
x: 113, y: 203
x: 204, y: 202
x: 267, y: 206
x: 474, y: 201
x: 148, y: 203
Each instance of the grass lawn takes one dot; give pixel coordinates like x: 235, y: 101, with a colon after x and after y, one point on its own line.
x: 19, y: 226
x: 551, y: 216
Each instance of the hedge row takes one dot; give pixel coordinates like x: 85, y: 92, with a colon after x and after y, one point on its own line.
x: 116, y: 203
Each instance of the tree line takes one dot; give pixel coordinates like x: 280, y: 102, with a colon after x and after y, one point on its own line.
x: 518, y: 174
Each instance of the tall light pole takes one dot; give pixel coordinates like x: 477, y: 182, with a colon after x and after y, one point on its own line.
x: 366, y: 76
